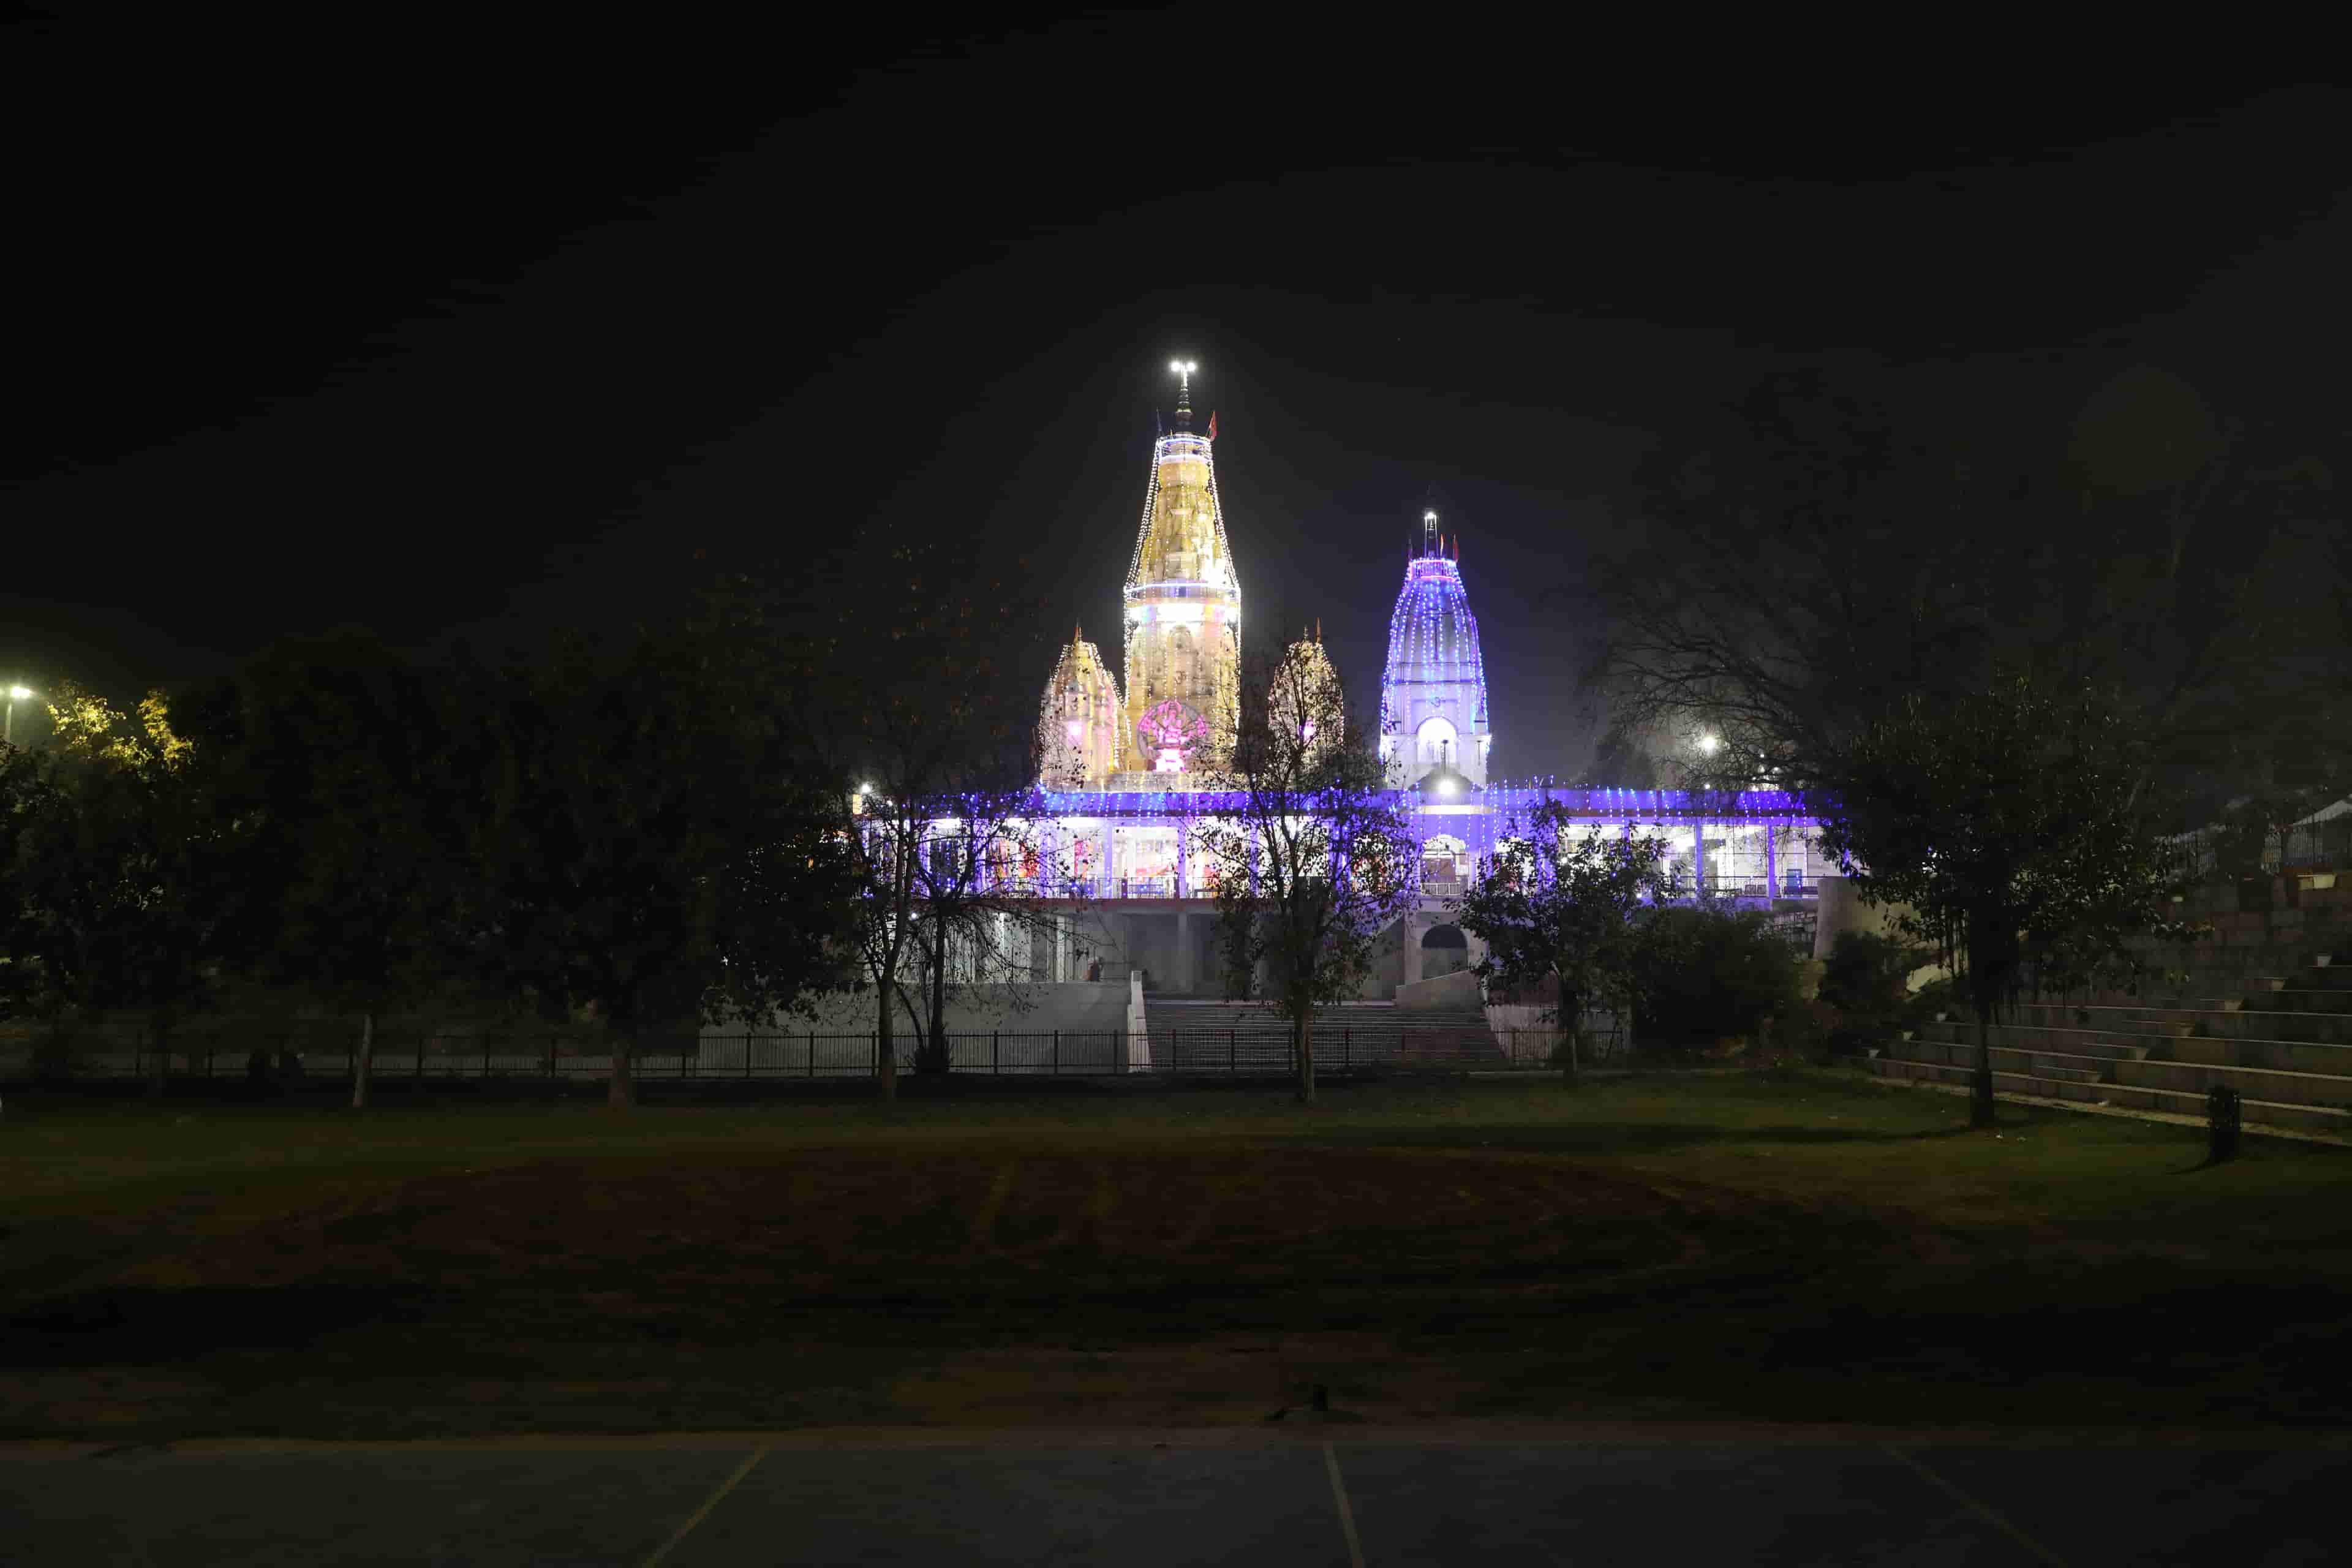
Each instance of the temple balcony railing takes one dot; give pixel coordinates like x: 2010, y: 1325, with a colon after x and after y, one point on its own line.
x: 1433, y: 891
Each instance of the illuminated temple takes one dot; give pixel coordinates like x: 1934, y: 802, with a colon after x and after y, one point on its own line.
x: 1125, y: 755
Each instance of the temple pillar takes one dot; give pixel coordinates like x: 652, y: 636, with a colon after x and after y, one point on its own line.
x: 1771, y: 860
x: 1186, y: 962
x: 1698, y: 857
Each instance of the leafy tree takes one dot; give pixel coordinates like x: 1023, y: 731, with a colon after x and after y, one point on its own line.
x: 348, y: 767
x: 1553, y: 904
x: 89, y: 727
x: 1316, y: 862
x: 652, y: 856
x: 2014, y: 819
x: 118, y: 878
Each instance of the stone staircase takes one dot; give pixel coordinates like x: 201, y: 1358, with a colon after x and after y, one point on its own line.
x: 2264, y: 1005
x: 1238, y: 1036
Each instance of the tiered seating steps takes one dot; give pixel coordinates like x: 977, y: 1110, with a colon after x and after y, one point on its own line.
x: 2265, y: 1005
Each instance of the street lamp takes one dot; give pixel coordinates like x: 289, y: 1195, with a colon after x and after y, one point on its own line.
x: 16, y: 694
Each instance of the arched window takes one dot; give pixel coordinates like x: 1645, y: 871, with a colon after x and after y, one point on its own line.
x: 1434, y: 742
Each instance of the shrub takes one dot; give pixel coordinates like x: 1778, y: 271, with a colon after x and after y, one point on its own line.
x: 1938, y: 996
x: 1704, y: 975
x: 1864, y: 975
x: 1862, y: 984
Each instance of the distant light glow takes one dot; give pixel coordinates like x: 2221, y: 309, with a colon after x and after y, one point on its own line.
x: 1710, y: 744
x: 1074, y: 728
x: 19, y: 693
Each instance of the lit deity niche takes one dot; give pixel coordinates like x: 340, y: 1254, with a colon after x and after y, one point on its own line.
x: 1078, y: 729
x: 1170, y: 736
x: 1184, y: 609
x: 1433, y: 689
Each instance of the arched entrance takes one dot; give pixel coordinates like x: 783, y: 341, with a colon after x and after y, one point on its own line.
x: 1444, y: 951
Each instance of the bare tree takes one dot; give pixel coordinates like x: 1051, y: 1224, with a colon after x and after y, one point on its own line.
x: 911, y: 712
x: 978, y: 911
x: 1814, y: 568
x: 1317, y: 860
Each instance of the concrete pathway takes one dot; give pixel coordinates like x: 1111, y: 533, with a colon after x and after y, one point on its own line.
x: 1316, y: 1497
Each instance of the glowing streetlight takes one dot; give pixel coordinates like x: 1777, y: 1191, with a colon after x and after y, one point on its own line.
x: 1710, y: 744
x: 16, y: 694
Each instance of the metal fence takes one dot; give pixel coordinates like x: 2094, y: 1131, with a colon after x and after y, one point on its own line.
x: 1260, y: 1046
x: 2319, y: 845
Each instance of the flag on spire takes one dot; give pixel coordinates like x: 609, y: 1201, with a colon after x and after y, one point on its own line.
x: 1213, y: 424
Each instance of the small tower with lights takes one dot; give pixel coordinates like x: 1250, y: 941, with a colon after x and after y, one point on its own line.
x: 1183, y: 612
x: 1306, y: 707
x: 1078, y: 729
x: 1433, y: 688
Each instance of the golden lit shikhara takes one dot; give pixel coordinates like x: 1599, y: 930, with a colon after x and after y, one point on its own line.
x: 1078, y: 733
x: 1183, y: 615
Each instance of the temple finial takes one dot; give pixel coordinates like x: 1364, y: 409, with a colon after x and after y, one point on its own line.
x: 1183, y: 369
x: 1429, y: 541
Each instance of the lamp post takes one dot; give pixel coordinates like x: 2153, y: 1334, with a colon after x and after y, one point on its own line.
x: 15, y: 695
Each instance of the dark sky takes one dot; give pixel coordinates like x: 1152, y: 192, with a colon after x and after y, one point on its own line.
x: 436, y: 327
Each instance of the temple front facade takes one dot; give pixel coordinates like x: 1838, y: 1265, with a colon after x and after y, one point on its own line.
x: 1130, y: 758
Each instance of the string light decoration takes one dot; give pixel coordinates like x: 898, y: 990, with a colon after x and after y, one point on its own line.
x: 1434, y: 670
x: 1467, y: 828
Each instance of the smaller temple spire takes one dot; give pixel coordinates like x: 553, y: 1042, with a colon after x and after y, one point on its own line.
x: 1430, y: 544
x: 1183, y: 369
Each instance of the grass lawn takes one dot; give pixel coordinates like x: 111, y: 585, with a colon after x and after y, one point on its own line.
x: 1793, y: 1245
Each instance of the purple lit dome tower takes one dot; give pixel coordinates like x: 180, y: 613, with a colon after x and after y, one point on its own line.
x: 1433, y: 692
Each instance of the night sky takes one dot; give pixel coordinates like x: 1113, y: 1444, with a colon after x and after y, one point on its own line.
x: 454, y: 331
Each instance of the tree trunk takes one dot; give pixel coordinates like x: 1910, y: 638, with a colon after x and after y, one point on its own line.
x: 365, y: 1062
x: 1571, y: 1012
x: 621, y: 1092
x: 158, y: 1032
x: 885, y: 1048
x: 935, y: 1048
x: 1980, y: 1103
x: 1302, y: 1043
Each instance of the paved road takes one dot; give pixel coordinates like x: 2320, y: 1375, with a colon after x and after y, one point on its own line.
x: 1300, y: 1500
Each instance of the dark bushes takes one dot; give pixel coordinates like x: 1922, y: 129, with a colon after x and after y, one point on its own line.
x: 1706, y: 976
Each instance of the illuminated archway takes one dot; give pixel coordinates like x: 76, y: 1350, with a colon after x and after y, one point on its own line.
x: 1436, y: 741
